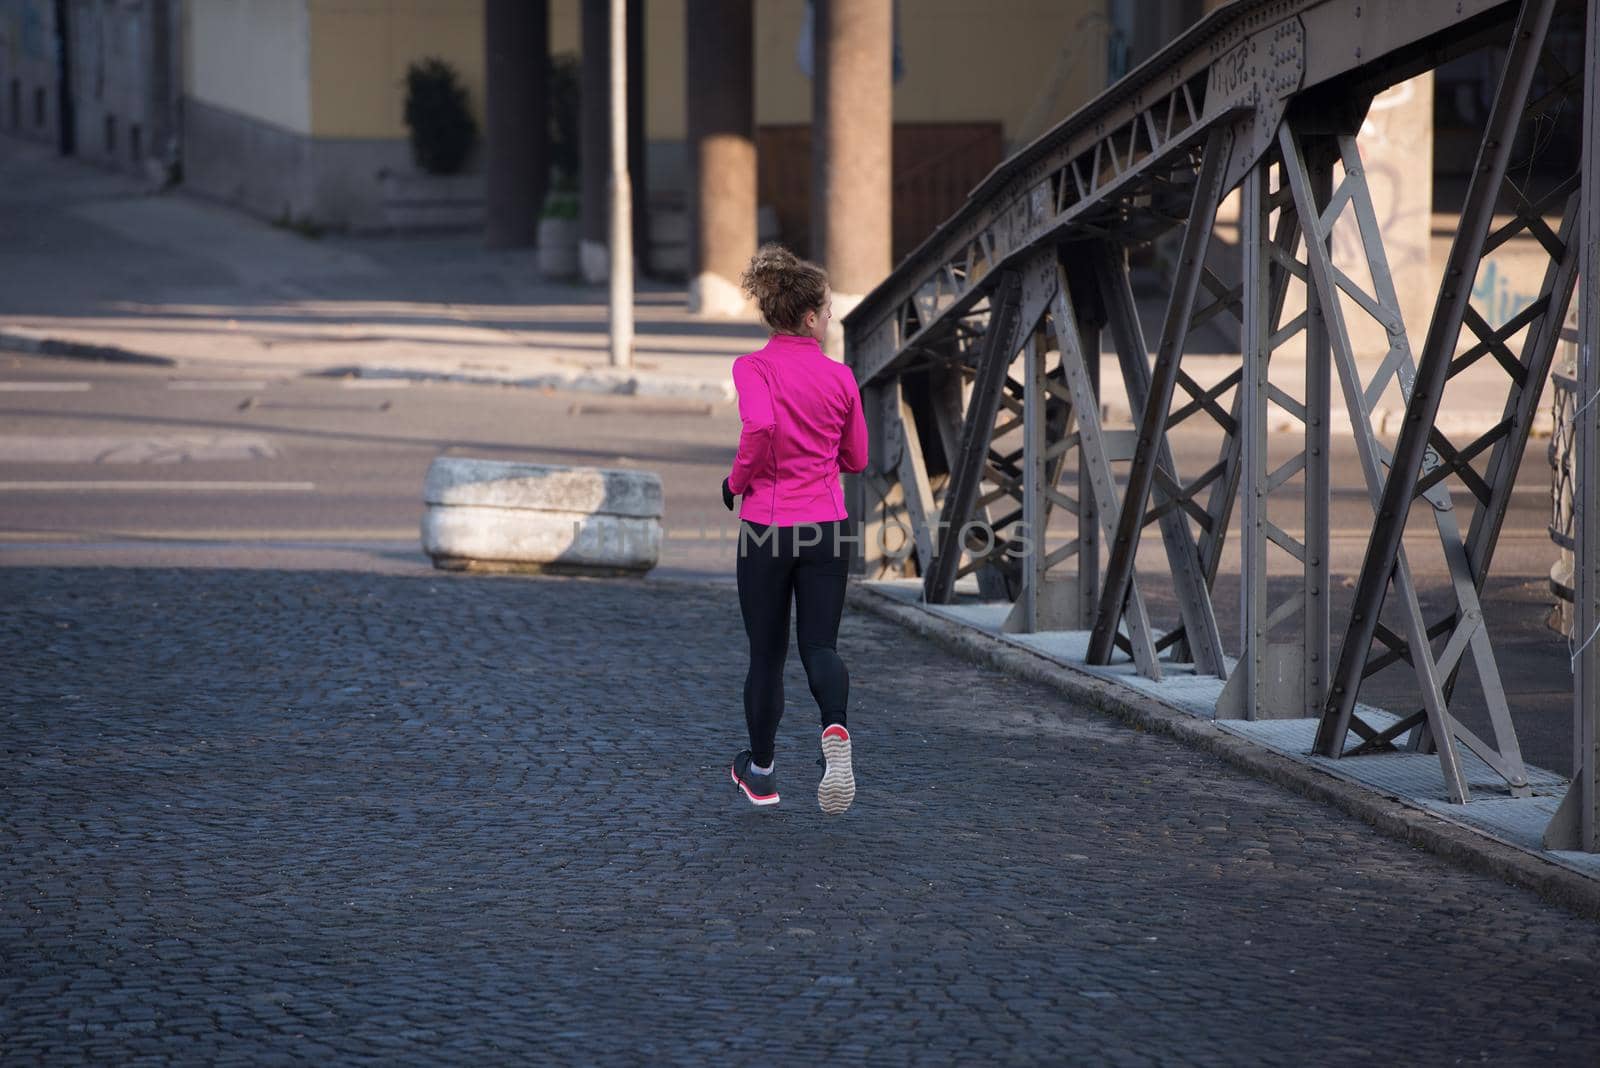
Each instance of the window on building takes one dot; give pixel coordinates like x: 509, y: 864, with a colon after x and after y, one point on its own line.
x: 135, y: 142
x: 39, y: 107
x: 16, y: 103
x: 111, y: 135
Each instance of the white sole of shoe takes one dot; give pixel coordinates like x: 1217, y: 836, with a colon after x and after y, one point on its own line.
x: 770, y: 799
x: 838, y: 786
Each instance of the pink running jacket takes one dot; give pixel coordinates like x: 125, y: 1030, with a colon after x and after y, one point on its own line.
x: 802, y: 425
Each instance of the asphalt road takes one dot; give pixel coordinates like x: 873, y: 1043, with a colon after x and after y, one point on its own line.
x: 293, y: 458
x: 108, y: 461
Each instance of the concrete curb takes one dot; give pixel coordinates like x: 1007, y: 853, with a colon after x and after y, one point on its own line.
x: 614, y: 383
x: 77, y: 350
x: 1413, y: 826
x: 1386, y: 421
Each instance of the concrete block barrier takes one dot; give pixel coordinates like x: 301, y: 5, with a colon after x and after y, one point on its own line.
x: 489, y: 515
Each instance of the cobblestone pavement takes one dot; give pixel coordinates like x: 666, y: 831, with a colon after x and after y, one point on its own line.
x: 255, y: 816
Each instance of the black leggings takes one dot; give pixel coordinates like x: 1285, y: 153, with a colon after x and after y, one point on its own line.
x: 811, y: 564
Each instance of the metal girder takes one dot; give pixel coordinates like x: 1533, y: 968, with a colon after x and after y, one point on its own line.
x: 1199, y: 622
x: 1124, y: 544
x: 1470, y: 631
x: 1095, y: 460
x: 1576, y: 824
x: 1152, y: 155
x: 967, y: 462
x: 1422, y: 402
x: 1018, y: 307
x: 1246, y: 58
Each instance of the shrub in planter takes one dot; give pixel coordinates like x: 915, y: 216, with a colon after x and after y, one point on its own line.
x: 564, y: 105
x: 443, y: 130
x: 558, y: 234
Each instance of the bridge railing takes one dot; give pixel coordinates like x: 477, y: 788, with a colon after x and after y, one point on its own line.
x: 978, y: 360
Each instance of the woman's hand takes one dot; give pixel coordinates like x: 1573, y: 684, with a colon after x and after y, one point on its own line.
x: 727, y: 495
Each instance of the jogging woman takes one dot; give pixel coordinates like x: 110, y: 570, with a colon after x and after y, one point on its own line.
x: 802, y: 425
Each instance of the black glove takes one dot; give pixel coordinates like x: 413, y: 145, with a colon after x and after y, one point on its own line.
x: 727, y: 495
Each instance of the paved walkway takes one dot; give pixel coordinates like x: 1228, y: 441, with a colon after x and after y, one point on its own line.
x: 256, y: 816
x: 95, y: 260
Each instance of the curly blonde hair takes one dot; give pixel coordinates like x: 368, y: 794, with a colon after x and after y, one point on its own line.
x: 784, y: 287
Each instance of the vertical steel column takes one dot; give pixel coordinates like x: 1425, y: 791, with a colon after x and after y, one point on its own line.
x: 1152, y: 424
x: 1586, y: 662
x: 1035, y: 398
x: 1088, y: 506
x: 1577, y: 822
x: 1089, y: 313
x: 1422, y: 406
x: 1246, y: 695
x: 1278, y: 678
x: 1316, y: 612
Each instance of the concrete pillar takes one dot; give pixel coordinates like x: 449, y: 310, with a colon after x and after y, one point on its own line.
x: 1396, y: 143
x: 594, y: 151
x: 852, y: 140
x: 636, y: 138
x: 594, y: 132
x: 722, y: 152
x: 516, y: 75
x: 163, y: 80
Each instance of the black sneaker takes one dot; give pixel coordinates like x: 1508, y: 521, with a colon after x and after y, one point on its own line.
x: 760, y: 789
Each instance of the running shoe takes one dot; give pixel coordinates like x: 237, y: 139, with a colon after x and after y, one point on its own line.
x: 760, y: 789
x: 838, y: 786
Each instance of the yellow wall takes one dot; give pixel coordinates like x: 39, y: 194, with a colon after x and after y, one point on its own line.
x: 1026, y: 63
x: 250, y: 58
x: 360, y: 50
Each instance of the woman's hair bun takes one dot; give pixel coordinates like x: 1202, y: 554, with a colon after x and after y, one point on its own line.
x: 784, y: 286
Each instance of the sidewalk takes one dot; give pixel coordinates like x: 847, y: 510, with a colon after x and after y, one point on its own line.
x: 101, y: 267
x: 95, y: 264
x: 1401, y: 793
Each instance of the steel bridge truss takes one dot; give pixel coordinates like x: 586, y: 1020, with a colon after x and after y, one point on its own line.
x: 993, y: 458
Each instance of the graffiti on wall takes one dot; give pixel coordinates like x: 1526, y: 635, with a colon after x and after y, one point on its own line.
x: 1497, y: 296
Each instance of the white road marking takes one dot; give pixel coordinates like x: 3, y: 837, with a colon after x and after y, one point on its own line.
x: 107, y: 449
x: 345, y: 536
x: 157, y: 487
x: 205, y: 384
x: 374, y: 383
x: 45, y: 387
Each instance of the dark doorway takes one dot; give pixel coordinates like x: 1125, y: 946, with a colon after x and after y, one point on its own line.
x: 936, y: 164
x: 66, y: 133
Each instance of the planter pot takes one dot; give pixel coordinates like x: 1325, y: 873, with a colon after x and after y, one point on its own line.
x: 420, y: 202
x: 558, y: 248
x: 488, y: 515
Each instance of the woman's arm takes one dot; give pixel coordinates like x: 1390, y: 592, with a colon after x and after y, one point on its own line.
x: 853, y: 442
x: 755, y: 412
